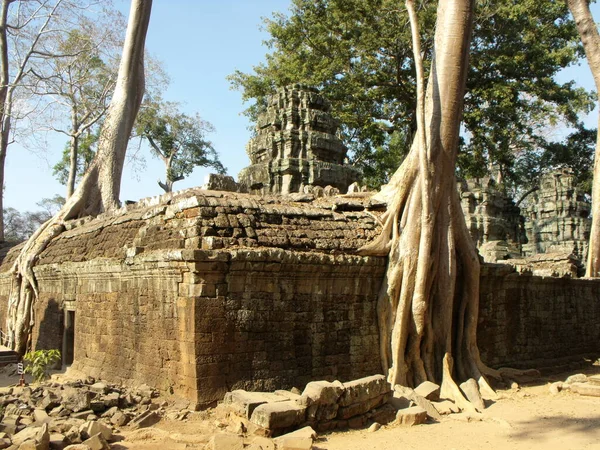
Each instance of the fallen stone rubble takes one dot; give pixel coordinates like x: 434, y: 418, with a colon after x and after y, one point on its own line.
x: 578, y: 384
x: 293, y: 416
x: 74, y: 415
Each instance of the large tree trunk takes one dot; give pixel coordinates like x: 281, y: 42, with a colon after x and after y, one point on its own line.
x: 73, y: 156
x: 591, y: 43
x: 4, y: 118
x: 99, y: 187
x: 429, y: 303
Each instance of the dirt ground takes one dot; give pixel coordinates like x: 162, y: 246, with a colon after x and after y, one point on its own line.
x: 527, y: 417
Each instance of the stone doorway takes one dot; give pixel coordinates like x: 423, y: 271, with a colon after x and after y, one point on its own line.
x: 68, y: 350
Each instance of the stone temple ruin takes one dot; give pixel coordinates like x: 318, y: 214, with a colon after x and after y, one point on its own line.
x: 202, y: 292
x: 296, y: 146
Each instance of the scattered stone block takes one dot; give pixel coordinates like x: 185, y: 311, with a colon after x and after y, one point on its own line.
x: 77, y: 447
x: 403, y: 391
x: 225, y: 442
x: 262, y: 443
x: 76, y: 400
x: 415, y: 415
x: 374, y: 427
x: 577, y: 378
x: 82, y: 414
x: 428, y: 390
x: 306, y: 432
x: 471, y: 390
x: 29, y: 433
x: 145, y: 419
x: 97, y: 442
x: 119, y: 419
x: 364, y: 389
x: 90, y: 429
x: 323, y: 392
x: 361, y: 408
x: 294, y: 443
x: 590, y: 390
x: 446, y: 407
x: 58, y: 441
x: 40, y: 416
x: 278, y: 415
x: 99, y: 388
x: 245, y: 402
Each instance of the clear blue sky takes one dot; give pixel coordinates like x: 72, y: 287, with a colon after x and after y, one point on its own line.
x: 200, y: 43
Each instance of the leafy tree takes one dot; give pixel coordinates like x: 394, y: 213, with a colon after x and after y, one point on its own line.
x: 39, y: 363
x: 28, y: 29
x: 178, y: 139
x: 99, y: 188
x: 358, y: 53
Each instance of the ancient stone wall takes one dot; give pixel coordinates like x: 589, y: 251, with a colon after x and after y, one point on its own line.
x: 199, y: 293
x: 529, y: 321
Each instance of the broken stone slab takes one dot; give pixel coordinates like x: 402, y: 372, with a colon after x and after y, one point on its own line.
x: 428, y: 390
x: 364, y: 389
x: 90, y: 429
x: 306, y: 432
x: 400, y: 401
x: 244, y: 402
x: 58, y: 441
x: 97, y: 442
x: 577, y: 378
x: 99, y: 388
x: 419, y: 400
x: 590, y: 390
x: 29, y: 433
x: 225, y: 442
x: 145, y: 419
x: 82, y: 414
x: 76, y: 400
x: 40, y: 416
x: 446, y: 407
x: 77, y: 447
x: 262, y: 443
x: 471, y: 390
x: 278, y: 415
x: 414, y: 415
x: 323, y: 392
x: 594, y: 379
x: 294, y: 443
x: 287, y: 394
x: 119, y: 419
x: 363, y: 407
x: 111, y: 400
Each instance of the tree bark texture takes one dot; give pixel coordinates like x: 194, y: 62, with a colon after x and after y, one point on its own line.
x: 590, y: 38
x: 99, y: 188
x: 429, y: 301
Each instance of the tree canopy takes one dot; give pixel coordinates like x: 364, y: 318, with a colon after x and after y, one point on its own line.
x: 178, y: 139
x: 358, y: 52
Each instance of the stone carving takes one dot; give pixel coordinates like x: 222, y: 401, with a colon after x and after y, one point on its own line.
x: 492, y: 218
x: 296, y: 146
x: 557, y: 218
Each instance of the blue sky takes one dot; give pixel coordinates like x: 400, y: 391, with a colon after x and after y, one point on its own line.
x: 200, y: 42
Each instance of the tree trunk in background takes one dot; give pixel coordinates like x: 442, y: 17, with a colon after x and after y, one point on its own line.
x: 73, y: 156
x: 429, y: 303
x: 100, y: 186
x: 591, y: 43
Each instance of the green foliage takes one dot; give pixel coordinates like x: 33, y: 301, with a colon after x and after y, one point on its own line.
x: 86, y: 150
x: 358, y: 53
x: 178, y: 139
x: 39, y: 362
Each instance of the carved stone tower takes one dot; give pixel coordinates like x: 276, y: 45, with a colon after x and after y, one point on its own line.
x: 296, y: 146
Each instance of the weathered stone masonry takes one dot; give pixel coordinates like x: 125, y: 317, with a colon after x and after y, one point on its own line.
x: 201, y: 292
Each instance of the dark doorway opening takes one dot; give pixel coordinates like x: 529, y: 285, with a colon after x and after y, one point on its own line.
x: 68, y: 352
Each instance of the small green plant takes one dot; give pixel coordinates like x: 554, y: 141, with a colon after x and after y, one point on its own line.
x: 39, y: 362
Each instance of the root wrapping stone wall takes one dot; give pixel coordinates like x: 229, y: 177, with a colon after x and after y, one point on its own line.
x: 199, y: 293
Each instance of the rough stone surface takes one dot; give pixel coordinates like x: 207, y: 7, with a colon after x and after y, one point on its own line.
x: 97, y: 442
x: 364, y: 389
x: 587, y: 389
x: 225, y: 442
x: 278, y: 415
x: 557, y: 219
x: 296, y: 148
x: 429, y: 390
x: 415, y: 415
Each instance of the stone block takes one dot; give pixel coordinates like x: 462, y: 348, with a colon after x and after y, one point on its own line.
x: 278, y: 415
x: 418, y: 400
x: 90, y: 429
x: 58, y: 441
x: 145, y: 419
x: 294, y: 443
x: 76, y: 400
x: 323, y: 392
x: 446, y: 407
x: 262, y: 443
x: 244, y: 403
x: 429, y: 390
x: 40, y: 416
x: 362, y: 407
x: 225, y: 442
x: 29, y: 433
x: 364, y: 389
x: 82, y: 414
x: 590, y: 390
x: 97, y: 442
x: 414, y: 415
